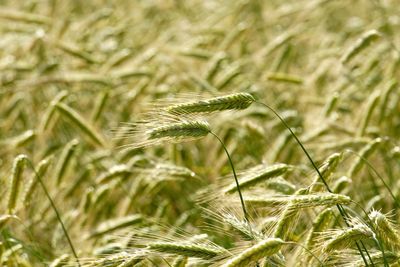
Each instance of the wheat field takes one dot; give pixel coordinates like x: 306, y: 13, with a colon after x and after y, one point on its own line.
x: 199, y: 133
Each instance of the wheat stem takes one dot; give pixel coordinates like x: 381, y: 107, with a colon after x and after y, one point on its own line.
x: 235, y: 176
x: 58, y: 215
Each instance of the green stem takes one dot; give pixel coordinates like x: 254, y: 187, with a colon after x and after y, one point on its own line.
x: 235, y: 176
x: 56, y: 212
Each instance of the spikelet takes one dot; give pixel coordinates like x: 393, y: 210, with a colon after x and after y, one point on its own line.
x: 331, y: 104
x: 385, y: 229
x: 284, y: 77
x: 363, y: 42
x: 65, y: 160
x: 365, y: 152
x: 214, y: 65
x: 16, y: 180
x: 168, y: 128
x: 341, y: 184
x: 256, y: 175
x: 228, y: 76
x: 288, y: 217
x: 389, y: 88
x: 121, y: 259
x: 280, y: 145
x: 326, y: 169
x: 221, y: 103
x: 80, y: 122
x: 330, y: 165
x: 41, y: 170
x: 45, y: 122
x: 17, y: 15
x: 99, y: 105
x: 116, y: 224
x: 278, y: 42
x: 186, y: 249
x: 280, y: 185
x: 344, y: 238
x: 372, y: 103
x: 242, y: 227
x: 4, y: 219
x: 113, y: 172
x: 75, y: 51
x: 267, y: 247
x: 191, y: 129
x: 300, y: 201
x: 352, y: 260
x: 20, y: 140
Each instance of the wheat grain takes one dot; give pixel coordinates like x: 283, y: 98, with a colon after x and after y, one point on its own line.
x: 16, y: 180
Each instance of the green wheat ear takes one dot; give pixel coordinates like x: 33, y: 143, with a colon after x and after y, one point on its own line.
x: 267, y: 247
x: 385, y: 228
x: 16, y: 181
x: 188, y: 250
x: 228, y: 102
x: 185, y: 129
x: 346, y: 237
x: 363, y: 42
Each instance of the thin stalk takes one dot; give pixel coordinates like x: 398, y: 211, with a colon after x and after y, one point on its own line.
x: 235, y: 176
x: 378, y: 175
x: 340, y: 208
x: 165, y: 262
x: 56, y: 212
x: 300, y: 144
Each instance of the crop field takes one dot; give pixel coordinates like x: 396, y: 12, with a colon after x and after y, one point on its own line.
x: 203, y: 133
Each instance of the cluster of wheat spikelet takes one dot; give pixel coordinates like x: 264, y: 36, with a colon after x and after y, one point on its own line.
x: 199, y: 133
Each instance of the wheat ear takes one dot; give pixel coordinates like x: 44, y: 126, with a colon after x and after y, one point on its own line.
x: 363, y: 42
x: 385, y: 229
x: 16, y: 180
x: 267, y: 247
x: 188, y: 250
x: 227, y: 102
